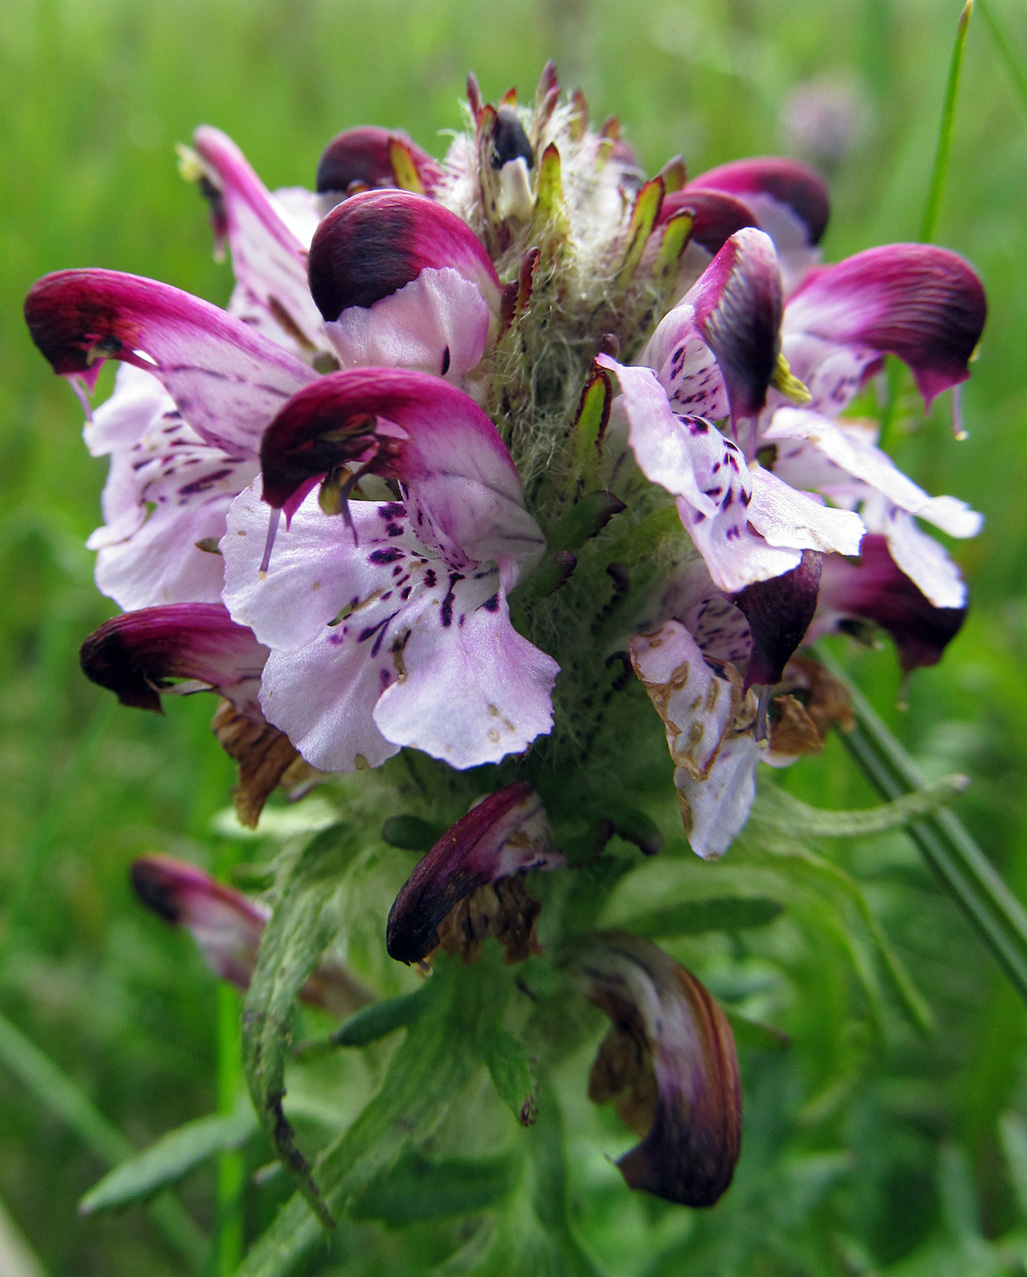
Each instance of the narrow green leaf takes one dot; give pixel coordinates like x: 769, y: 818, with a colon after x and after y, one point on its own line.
x: 380, y: 1019
x: 513, y: 1076
x: 693, y: 917
x: 441, y: 1052
x: 169, y: 1158
x: 306, y: 918
x: 782, y: 811
x: 954, y: 857
x: 948, y: 112
x: 417, y: 1188
x: 1013, y: 1134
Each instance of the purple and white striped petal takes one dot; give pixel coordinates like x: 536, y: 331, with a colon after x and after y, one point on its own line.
x: 874, y: 588
x: 669, y: 1065
x: 788, y: 200
x: 506, y: 833
x: 268, y: 244
x: 921, y: 303
x: 463, y: 491
x: 403, y: 282
x: 366, y: 158
x: 136, y: 654
x: 226, y: 380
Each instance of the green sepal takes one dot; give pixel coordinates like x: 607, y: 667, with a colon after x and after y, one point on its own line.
x: 550, y: 224
x: 584, y: 519
x: 590, y: 426
x: 643, y: 219
x: 169, y: 1158
x: 677, y: 231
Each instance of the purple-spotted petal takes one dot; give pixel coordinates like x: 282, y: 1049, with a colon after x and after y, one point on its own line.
x: 226, y: 380
x: 473, y: 690
x: 365, y: 157
x: 135, y: 655
x: 268, y: 245
x: 227, y: 928
x: 921, y: 303
x: 874, y: 588
x: 506, y: 833
x: 669, y: 1065
x: 379, y: 644
x: 464, y: 491
x: 165, y: 500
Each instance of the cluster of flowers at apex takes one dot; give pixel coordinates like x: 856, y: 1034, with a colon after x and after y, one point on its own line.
x: 427, y: 367
x: 368, y: 340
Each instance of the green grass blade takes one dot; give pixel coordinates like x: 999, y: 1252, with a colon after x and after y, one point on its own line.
x: 948, y: 112
x: 954, y: 857
x: 1004, y: 48
x: 38, y: 1073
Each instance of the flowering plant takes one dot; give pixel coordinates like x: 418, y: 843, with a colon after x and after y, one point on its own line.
x: 570, y: 463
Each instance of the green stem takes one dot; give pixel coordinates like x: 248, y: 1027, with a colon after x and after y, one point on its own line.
x: 231, y: 1165
x: 957, y: 861
x: 948, y: 111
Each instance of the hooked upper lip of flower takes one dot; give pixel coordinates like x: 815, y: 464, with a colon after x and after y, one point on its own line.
x: 402, y: 281
x: 669, y: 1065
x: 505, y: 834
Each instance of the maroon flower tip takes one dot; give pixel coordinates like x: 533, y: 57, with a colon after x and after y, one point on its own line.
x: 715, y: 216
x: 873, y: 588
x: 669, y: 1066
x: 509, y: 141
x: 74, y: 322
x: 779, y: 612
x: 157, y: 886
x: 137, y: 654
x: 738, y: 306
x: 786, y: 182
x: 363, y: 156
x: 504, y: 834
x: 363, y: 251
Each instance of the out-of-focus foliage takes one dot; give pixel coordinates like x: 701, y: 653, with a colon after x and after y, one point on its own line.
x: 869, y: 1146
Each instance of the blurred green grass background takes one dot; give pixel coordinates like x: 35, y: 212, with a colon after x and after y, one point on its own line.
x: 92, y: 100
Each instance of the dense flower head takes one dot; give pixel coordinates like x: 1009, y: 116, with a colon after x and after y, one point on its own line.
x: 470, y: 302
x: 476, y: 441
